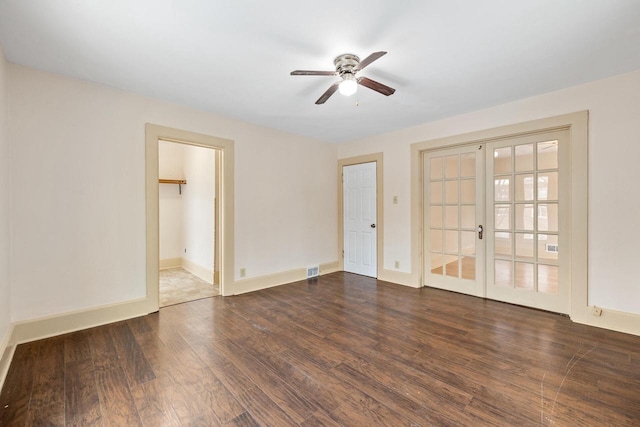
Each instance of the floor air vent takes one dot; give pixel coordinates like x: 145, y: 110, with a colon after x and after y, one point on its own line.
x: 313, y: 271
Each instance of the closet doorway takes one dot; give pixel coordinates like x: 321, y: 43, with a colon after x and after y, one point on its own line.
x: 222, y: 252
x: 188, y: 224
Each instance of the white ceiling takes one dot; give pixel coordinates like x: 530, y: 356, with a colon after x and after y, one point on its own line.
x: 233, y: 58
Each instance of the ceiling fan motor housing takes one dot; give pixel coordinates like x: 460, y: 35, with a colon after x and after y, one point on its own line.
x: 346, y: 63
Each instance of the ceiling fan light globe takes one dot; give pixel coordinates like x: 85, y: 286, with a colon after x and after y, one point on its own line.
x: 348, y: 87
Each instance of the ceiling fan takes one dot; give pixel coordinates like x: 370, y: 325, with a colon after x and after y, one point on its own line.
x: 347, y: 65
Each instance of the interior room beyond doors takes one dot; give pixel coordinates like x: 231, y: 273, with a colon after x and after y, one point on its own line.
x: 187, y: 222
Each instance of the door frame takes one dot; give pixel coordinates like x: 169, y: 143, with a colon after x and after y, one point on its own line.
x: 224, y: 208
x: 369, y: 158
x: 577, y: 125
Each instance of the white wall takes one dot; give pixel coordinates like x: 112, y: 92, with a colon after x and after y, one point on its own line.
x: 614, y: 151
x: 5, y: 179
x: 198, y: 204
x: 170, y: 206
x: 79, y: 208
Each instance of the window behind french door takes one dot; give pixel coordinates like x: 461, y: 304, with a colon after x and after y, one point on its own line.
x: 494, y: 220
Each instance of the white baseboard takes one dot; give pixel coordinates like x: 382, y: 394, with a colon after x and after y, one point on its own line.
x: 619, y: 321
x: 262, y: 282
x: 398, y: 277
x: 7, y: 348
x: 204, y: 273
x: 58, y: 324
x: 170, y: 263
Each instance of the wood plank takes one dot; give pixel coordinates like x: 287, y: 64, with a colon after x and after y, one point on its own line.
x: 104, y: 353
x: 132, y: 358
x: 117, y: 404
x: 295, y: 406
x: 82, y: 402
x: 48, y: 384
x: 201, y: 392
x: 16, y: 392
x: 366, y: 411
x: 47, y: 397
x: 77, y: 347
x: 319, y: 419
x: 264, y: 410
x: 154, y: 402
x: 243, y: 420
x: 412, y: 409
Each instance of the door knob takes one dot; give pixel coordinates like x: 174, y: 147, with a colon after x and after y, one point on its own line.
x: 480, y: 230
x: 373, y: 226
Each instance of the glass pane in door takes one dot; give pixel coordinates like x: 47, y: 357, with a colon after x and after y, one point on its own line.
x: 451, y: 207
x: 526, y: 244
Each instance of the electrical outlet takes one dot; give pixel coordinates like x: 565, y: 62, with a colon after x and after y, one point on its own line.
x: 243, y: 272
x: 396, y: 264
x: 597, y: 311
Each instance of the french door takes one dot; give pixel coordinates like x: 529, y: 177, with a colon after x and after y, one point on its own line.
x: 526, y: 187
x: 506, y: 239
x: 453, y: 214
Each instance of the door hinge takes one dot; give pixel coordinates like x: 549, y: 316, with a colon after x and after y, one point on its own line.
x: 343, y: 254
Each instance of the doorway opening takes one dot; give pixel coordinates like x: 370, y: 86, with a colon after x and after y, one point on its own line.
x: 188, y: 188
x: 205, y: 249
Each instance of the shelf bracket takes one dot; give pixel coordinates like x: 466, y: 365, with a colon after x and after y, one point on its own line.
x: 174, y: 181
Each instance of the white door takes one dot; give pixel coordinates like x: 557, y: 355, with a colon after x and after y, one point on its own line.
x: 453, y: 211
x: 527, y: 191
x: 360, y: 232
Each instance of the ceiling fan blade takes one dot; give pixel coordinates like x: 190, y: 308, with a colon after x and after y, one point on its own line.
x: 332, y: 89
x: 313, y: 73
x: 368, y: 60
x: 378, y: 87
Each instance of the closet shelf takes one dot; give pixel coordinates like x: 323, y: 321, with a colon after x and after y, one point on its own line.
x: 174, y: 181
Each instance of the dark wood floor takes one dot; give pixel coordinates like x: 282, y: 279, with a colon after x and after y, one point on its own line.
x: 344, y: 350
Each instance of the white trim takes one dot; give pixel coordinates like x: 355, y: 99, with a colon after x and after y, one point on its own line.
x: 628, y: 323
x: 270, y: 280
x: 170, y: 263
x: 397, y: 277
x: 7, y: 349
x: 57, y: 324
x: 202, y: 272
